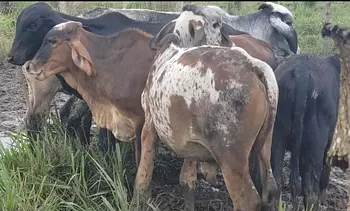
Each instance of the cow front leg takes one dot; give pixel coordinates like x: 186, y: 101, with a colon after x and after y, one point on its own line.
x: 188, y: 178
x: 149, y: 139
x: 137, y: 142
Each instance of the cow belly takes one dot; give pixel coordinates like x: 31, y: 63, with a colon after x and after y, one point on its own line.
x: 108, y: 116
x: 189, y: 149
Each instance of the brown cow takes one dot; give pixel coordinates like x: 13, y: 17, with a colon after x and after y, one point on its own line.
x: 195, y: 30
x: 227, y: 100
x: 109, y: 72
x: 256, y: 48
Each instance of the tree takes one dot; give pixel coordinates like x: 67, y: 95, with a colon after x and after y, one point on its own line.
x: 339, y: 152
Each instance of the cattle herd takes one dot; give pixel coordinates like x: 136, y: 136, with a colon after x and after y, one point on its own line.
x: 225, y: 91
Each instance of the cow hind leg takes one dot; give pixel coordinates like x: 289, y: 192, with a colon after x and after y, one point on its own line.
x: 188, y: 178
x: 242, y: 191
x: 277, y: 157
x: 233, y: 159
x: 312, y: 170
x: 269, y: 187
x: 326, y: 167
x: 262, y: 148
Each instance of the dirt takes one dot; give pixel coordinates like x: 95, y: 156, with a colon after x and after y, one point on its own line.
x: 166, y: 189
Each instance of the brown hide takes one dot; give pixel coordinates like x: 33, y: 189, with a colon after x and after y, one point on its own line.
x: 256, y: 48
x: 111, y: 75
x: 227, y: 102
x: 122, y: 64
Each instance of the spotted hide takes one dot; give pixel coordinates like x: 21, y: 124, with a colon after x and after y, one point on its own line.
x: 210, y: 104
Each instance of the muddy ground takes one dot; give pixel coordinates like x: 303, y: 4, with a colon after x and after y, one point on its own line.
x: 211, y: 197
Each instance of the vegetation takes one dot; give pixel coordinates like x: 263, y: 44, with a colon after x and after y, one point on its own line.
x: 60, y: 174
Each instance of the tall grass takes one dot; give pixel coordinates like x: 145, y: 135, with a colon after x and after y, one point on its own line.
x: 59, y: 174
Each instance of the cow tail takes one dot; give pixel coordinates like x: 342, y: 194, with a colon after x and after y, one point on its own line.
x: 300, y: 105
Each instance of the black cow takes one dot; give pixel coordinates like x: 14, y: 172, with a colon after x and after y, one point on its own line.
x: 35, y: 21
x: 305, y: 122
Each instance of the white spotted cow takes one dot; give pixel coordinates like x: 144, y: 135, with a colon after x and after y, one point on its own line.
x: 209, y: 104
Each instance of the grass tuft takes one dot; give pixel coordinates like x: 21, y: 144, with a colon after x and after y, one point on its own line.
x: 61, y: 175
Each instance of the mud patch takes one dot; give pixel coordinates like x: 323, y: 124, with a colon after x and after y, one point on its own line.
x: 166, y: 189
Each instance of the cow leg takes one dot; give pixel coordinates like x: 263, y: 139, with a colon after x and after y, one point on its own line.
x: 149, y: 139
x: 84, y: 128
x: 209, y: 171
x: 313, y: 151
x: 324, y: 180
x: 188, y: 178
x: 233, y: 159
x: 106, y: 140
x: 269, y: 187
x: 277, y: 156
x: 262, y: 148
x: 242, y: 191
x: 137, y: 142
x: 76, y: 119
x: 326, y: 167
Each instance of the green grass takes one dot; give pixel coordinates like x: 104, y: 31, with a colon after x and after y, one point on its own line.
x: 63, y: 176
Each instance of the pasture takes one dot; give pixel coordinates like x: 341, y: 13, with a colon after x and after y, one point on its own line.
x: 63, y: 176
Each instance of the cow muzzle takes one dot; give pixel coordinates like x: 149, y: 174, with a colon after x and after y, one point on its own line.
x: 34, y: 69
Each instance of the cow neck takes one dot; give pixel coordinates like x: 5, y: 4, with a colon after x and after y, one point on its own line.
x: 100, y: 48
x: 245, y: 20
x: 98, y: 92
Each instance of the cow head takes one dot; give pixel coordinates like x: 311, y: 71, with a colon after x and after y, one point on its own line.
x: 282, y: 20
x: 31, y: 27
x: 341, y: 35
x: 195, y: 29
x: 60, y: 51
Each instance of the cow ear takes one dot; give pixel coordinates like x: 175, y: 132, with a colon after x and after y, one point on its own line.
x: 168, y: 39
x: 86, y: 28
x: 225, y: 41
x: 82, y: 58
x: 168, y: 28
x: 265, y: 6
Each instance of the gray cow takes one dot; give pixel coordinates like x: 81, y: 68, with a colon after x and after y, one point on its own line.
x: 273, y: 23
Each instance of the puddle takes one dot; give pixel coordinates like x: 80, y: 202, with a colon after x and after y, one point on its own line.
x: 5, y: 141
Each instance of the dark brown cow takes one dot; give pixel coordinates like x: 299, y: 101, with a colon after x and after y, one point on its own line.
x: 227, y: 100
x: 108, y: 72
x: 256, y: 48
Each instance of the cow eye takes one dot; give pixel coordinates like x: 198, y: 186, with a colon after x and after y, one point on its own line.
x: 33, y: 26
x: 216, y: 25
x: 51, y: 41
x: 289, y: 23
